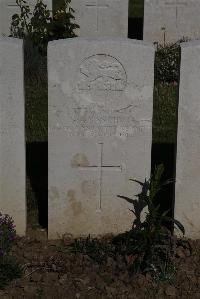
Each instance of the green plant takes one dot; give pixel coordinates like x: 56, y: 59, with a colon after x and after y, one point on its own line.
x: 150, y: 242
x: 7, y: 235
x: 9, y: 270
x: 40, y: 26
x: 165, y: 272
x: 150, y: 245
x: 167, y: 61
x: 20, y: 26
x: 136, y: 8
x: 63, y: 22
x: 165, y: 113
x: 96, y: 249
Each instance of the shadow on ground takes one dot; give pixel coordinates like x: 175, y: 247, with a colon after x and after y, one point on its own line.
x: 37, y: 172
x: 135, y: 28
x: 165, y: 154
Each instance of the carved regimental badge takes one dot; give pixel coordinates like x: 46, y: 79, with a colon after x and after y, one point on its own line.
x: 102, y: 72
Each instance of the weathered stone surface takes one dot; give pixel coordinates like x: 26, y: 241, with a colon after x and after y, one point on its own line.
x: 12, y: 135
x: 171, y: 20
x: 8, y: 8
x: 100, y: 119
x: 101, y: 17
x: 187, y: 200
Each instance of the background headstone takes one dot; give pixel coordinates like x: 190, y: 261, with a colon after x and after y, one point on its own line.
x: 171, y: 20
x: 187, y: 200
x: 8, y: 8
x: 100, y: 132
x: 12, y: 132
x: 101, y: 17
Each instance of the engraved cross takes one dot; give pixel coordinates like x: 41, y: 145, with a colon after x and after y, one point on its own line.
x: 100, y: 167
x: 177, y: 4
x: 95, y: 4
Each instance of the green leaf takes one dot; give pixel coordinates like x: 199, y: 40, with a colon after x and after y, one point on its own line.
x: 136, y: 181
x: 177, y: 223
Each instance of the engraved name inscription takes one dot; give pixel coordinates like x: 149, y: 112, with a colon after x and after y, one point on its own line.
x: 91, y: 122
x: 85, y: 116
x: 102, y: 72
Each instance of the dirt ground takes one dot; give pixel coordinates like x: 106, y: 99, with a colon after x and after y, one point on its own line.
x: 51, y: 271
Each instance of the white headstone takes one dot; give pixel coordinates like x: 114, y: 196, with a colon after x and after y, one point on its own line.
x: 8, y: 8
x: 12, y: 132
x: 171, y: 20
x: 101, y: 17
x: 187, y: 200
x: 100, y: 124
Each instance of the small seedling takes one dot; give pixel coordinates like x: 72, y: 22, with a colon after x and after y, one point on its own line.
x: 149, y: 247
x: 150, y: 241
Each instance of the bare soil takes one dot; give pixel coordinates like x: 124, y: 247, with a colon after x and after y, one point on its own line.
x: 51, y: 271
